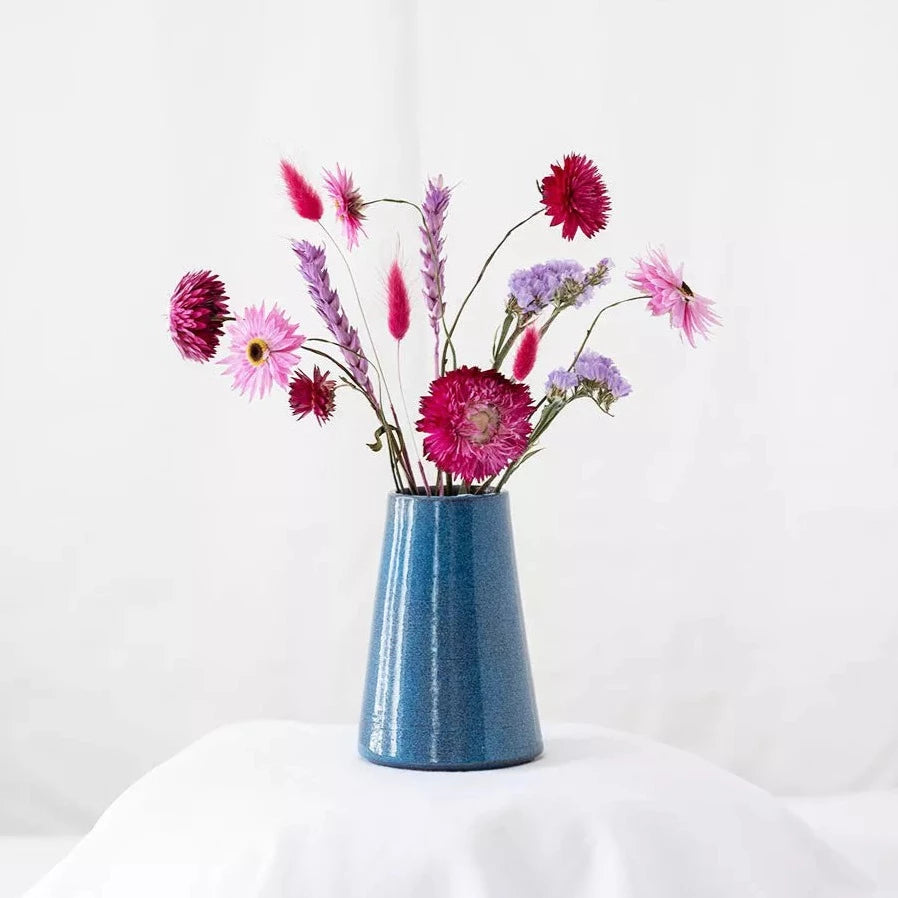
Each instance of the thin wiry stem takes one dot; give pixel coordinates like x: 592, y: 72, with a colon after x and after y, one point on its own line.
x: 354, y: 384
x: 433, y: 250
x: 464, y: 302
x: 382, y: 382
x: 589, y: 331
x: 408, y: 417
x: 595, y: 321
x: 547, y: 419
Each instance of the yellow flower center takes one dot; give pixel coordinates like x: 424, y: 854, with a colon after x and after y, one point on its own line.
x: 257, y: 352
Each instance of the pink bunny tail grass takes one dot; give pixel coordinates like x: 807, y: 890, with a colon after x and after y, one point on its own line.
x: 303, y: 196
x: 399, y: 308
x: 525, y: 358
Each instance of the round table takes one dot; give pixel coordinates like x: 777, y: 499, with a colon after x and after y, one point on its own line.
x: 277, y: 808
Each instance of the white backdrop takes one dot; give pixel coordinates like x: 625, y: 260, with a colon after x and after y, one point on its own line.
x: 714, y: 567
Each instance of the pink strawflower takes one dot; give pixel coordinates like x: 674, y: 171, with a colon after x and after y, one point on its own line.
x: 312, y: 394
x: 303, y: 195
x: 196, y: 315
x: 262, y: 350
x: 348, y: 201
x: 525, y: 357
x: 399, y: 308
x: 476, y: 422
x: 576, y: 197
x: 670, y: 295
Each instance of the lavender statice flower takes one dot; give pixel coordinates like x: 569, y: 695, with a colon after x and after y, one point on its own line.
x: 597, y: 276
x: 313, y: 265
x: 433, y: 262
x: 578, y: 292
x: 532, y: 289
x: 560, y: 383
x: 601, y: 378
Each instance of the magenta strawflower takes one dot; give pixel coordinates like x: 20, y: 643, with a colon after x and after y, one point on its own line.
x: 196, y: 315
x: 670, y: 295
x: 263, y: 348
x: 348, y: 201
x: 476, y: 422
x: 313, y: 394
x: 575, y: 197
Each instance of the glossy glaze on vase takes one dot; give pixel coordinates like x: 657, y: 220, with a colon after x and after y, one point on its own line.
x: 448, y: 684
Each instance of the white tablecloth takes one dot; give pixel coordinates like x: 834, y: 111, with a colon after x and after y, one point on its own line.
x: 275, y: 809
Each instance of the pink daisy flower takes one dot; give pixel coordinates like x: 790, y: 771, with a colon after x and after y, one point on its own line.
x: 671, y: 295
x: 476, y: 422
x: 197, y: 312
x: 348, y: 201
x: 262, y: 350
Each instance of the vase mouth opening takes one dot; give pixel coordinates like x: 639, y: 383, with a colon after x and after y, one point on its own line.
x: 456, y: 494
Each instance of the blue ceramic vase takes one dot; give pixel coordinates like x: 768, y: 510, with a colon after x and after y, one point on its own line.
x: 448, y: 684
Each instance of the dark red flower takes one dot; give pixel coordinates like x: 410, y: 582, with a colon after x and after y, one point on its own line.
x: 198, y: 308
x: 576, y: 197
x: 312, y: 394
x: 303, y: 195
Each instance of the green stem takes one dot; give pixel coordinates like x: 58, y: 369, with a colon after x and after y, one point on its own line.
x: 595, y: 321
x: 546, y: 420
x: 555, y: 313
x: 502, y: 354
x: 501, y: 334
x: 464, y: 302
x: 354, y: 384
x: 540, y: 429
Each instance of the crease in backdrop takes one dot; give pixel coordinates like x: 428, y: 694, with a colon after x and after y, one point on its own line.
x: 711, y: 568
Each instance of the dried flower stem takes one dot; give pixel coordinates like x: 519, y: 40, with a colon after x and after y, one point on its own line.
x: 464, y: 302
x: 595, y: 321
x: 442, y: 304
x: 408, y: 417
x: 394, y: 445
x: 551, y: 413
x: 383, y: 385
x: 371, y: 400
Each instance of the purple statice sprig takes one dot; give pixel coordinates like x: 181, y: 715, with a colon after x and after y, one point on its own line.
x: 561, y: 383
x: 600, y: 379
x: 530, y: 290
x: 433, y: 259
x: 559, y: 282
x: 593, y: 376
x: 313, y: 266
x: 597, y: 276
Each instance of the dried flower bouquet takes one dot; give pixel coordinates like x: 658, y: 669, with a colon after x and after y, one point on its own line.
x: 479, y: 425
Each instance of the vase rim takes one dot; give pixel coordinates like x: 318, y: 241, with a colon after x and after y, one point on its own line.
x: 492, y: 494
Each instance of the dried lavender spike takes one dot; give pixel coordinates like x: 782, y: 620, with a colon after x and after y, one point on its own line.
x: 313, y: 265
x: 433, y: 262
